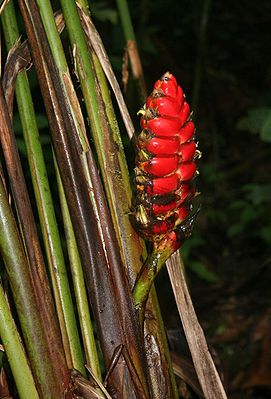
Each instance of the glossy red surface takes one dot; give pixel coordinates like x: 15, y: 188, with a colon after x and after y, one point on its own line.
x: 187, y: 151
x: 165, y: 163
x: 169, y: 88
x: 186, y: 132
x: 186, y: 170
x: 162, y: 126
x: 160, y: 166
x: 164, y: 185
x: 163, y: 146
x: 164, y: 105
x: 184, y: 113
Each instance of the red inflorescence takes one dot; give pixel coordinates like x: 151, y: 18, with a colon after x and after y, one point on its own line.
x: 165, y: 165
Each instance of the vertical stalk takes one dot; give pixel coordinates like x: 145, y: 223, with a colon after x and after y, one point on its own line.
x: 132, y: 49
x: 79, y: 284
x: 49, y: 375
x: 95, y: 236
x: 117, y: 185
x: 200, y: 52
x: 15, y: 352
x: 62, y: 294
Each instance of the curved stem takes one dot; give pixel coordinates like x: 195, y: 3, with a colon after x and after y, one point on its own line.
x: 162, y: 250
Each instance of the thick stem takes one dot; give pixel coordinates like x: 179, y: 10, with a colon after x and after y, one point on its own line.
x: 48, y: 372
x: 15, y: 352
x: 147, y: 274
x: 79, y: 285
x: 45, y: 206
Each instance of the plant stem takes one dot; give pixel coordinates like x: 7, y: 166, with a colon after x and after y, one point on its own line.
x: 126, y: 20
x: 15, y: 352
x: 200, y: 52
x: 45, y: 206
x: 79, y: 285
x: 117, y: 185
x: 49, y: 383
x: 107, y: 282
x: 132, y: 48
x: 149, y: 271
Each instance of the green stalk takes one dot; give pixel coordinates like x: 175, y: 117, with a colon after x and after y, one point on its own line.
x: 15, y: 352
x: 126, y: 20
x: 45, y: 206
x: 117, y: 185
x: 23, y: 291
x: 75, y: 263
x: 97, y: 118
x: 132, y: 49
x: 79, y: 285
x: 161, y: 252
x: 150, y: 269
x: 119, y: 195
x: 107, y: 141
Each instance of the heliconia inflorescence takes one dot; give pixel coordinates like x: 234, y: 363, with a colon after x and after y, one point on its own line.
x: 165, y: 165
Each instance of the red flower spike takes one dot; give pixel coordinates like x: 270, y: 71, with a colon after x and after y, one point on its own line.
x: 165, y: 166
x: 164, y: 105
x: 184, y: 113
x: 163, y: 226
x: 158, y: 209
x: 182, y: 213
x: 186, y: 132
x: 159, y: 166
x: 163, y: 146
x: 186, y: 171
x: 163, y: 185
x: 162, y: 126
x: 185, y: 191
x: 187, y: 151
x: 168, y: 88
x: 180, y: 96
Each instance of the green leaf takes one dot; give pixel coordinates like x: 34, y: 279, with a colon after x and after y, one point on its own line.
x: 202, y: 272
x: 265, y: 130
x: 257, y: 121
x: 103, y: 13
x: 265, y: 233
x: 235, y: 229
x: 258, y: 193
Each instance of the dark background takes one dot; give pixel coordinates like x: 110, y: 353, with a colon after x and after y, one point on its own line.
x: 219, y: 52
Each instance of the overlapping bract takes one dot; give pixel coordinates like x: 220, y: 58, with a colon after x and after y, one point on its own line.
x: 165, y: 165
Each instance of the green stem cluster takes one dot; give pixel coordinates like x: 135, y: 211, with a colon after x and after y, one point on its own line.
x: 15, y: 352
x: 45, y: 206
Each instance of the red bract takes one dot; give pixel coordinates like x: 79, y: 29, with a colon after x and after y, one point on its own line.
x: 184, y: 113
x: 168, y: 88
x: 187, y: 151
x: 163, y: 185
x: 165, y: 164
x: 164, y: 105
x: 187, y: 132
x: 162, y: 126
x: 160, y: 166
x: 162, y: 146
